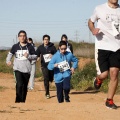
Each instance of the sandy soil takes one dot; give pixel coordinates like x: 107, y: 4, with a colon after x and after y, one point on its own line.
x: 83, y: 105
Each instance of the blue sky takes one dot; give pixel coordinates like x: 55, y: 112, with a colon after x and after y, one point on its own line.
x: 52, y: 17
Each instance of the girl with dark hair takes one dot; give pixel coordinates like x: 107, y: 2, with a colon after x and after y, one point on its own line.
x: 60, y: 63
x: 69, y: 45
x: 33, y: 64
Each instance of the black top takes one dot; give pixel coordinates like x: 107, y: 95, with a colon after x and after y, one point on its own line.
x: 71, y: 47
x: 42, y: 50
x: 28, y: 47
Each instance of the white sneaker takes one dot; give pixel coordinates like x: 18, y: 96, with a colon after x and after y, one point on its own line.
x: 47, y: 96
x: 30, y: 88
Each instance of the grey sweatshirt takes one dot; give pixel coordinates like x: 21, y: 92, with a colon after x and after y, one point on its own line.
x: 21, y: 63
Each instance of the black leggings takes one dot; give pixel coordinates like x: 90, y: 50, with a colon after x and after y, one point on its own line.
x: 21, y: 86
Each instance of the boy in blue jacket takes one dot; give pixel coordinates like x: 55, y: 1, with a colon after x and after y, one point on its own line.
x: 60, y: 62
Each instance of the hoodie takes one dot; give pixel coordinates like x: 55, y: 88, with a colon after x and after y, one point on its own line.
x: 42, y: 50
x: 21, y: 63
x: 57, y: 58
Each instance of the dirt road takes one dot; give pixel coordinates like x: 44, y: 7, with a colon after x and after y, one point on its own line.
x: 83, y: 105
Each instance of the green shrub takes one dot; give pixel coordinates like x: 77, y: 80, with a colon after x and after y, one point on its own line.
x: 83, y: 79
x: 3, y: 67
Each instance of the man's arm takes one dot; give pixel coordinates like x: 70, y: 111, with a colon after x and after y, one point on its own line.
x: 9, y: 56
x: 92, y: 28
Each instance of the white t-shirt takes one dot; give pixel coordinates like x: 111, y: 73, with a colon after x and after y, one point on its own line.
x: 68, y: 48
x: 108, y: 21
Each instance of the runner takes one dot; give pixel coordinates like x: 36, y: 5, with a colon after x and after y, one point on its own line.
x: 24, y: 52
x: 60, y: 63
x: 33, y: 64
x: 69, y: 45
x: 46, y: 50
x: 107, y: 46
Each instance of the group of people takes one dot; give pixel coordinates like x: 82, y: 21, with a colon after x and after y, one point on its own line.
x: 62, y: 63
x: 53, y: 63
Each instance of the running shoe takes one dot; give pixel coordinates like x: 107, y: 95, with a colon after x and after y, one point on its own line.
x: 97, y: 83
x: 47, y: 96
x: 110, y: 104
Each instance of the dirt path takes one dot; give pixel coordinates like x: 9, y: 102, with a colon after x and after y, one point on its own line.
x: 83, y: 106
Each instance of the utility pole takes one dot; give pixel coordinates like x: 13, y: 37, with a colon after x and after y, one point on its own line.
x: 13, y: 42
x: 76, y: 36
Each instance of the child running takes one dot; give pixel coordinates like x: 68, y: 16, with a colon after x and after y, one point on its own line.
x: 60, y: 63
x: 23, y: 53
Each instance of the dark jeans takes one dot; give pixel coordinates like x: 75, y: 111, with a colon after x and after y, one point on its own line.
x: 48, y: 77
x: 21, y: 86
x: 63, y: 86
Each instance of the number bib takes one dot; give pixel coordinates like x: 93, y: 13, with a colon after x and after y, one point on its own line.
x: 47, y: 57
x: 20, y: 54
x: 63, y: 66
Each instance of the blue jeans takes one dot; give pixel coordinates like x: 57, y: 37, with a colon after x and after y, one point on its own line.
x: 63, y: 89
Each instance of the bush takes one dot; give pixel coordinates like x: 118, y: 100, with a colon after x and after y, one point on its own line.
x: 3, y: 67
x: 83, y: 79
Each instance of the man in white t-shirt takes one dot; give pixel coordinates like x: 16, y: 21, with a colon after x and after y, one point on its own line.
x: 107, y: 46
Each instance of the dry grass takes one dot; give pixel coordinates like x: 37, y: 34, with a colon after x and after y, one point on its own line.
x: 84, y: 52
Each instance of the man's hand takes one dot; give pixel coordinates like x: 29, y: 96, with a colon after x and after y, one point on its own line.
x: 38, y: 59
x: 55, y: 65
x: 95, y: 31
x: 50, y: 56
x: 9, y: 63
x: 26, y: 54
x: 72, y: 70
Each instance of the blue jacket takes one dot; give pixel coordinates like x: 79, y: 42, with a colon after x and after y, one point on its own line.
x: 58, y: 57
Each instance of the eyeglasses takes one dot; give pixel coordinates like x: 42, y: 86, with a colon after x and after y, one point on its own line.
x: 63, y: 48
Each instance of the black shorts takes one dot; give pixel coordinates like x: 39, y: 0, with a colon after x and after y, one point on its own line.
x: 106, y: 59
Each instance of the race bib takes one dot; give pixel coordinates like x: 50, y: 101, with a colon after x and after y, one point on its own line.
x: 47, y: 57
x: 63, y: 66
x: 20, y: 54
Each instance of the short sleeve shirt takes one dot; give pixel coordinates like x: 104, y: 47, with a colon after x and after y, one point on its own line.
x: 108, y: 21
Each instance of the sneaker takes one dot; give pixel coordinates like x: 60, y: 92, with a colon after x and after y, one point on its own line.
x: 67, y: 100
x: 97, y: 83
x: 110, y: 104
x: 47, y: 96
x: 30, y: 88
